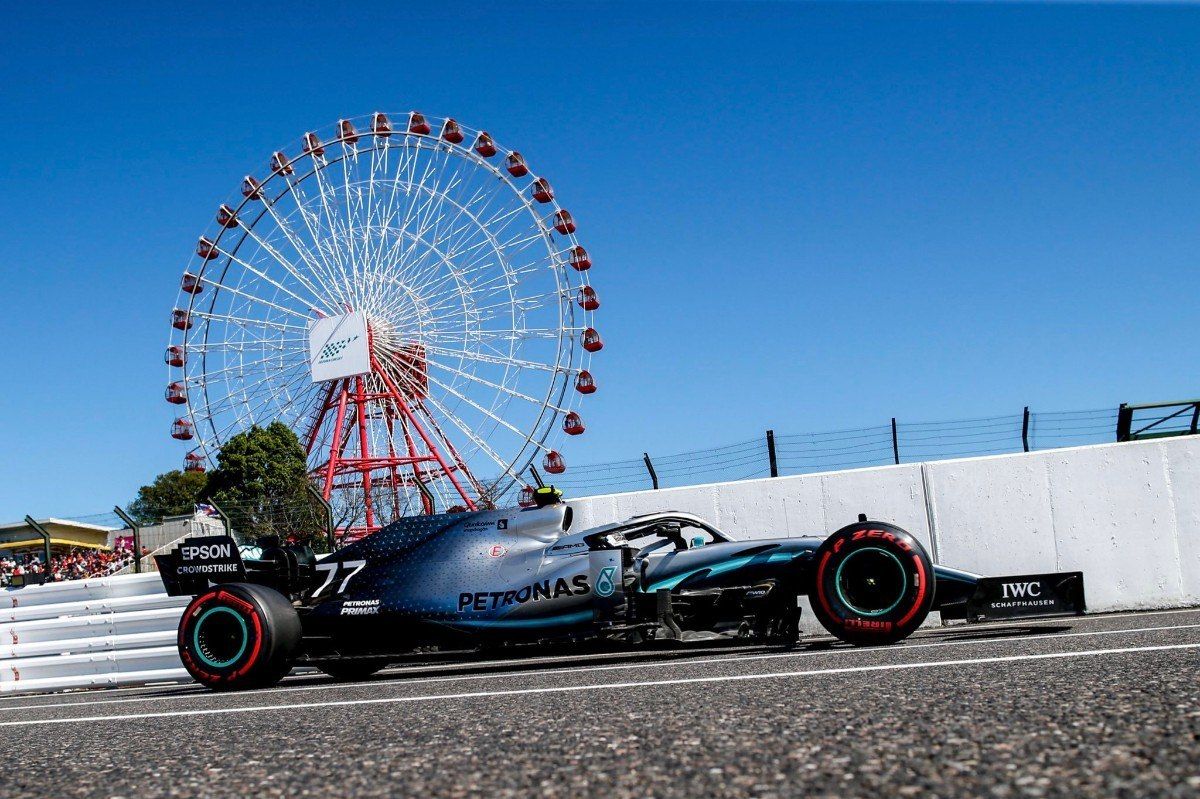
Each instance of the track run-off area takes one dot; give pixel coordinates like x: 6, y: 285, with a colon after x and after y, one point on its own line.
x: 1103, y: 705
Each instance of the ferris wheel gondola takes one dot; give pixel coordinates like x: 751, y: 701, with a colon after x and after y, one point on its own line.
x: 466, y: 284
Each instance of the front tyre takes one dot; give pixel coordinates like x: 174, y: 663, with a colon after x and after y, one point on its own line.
x: 873, y: 584
x: 238, y: 636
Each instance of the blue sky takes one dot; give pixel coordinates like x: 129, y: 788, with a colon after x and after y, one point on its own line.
x: 802, y: 216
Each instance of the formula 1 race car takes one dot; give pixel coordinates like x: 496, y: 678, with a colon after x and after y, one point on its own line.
x: 509, y: 577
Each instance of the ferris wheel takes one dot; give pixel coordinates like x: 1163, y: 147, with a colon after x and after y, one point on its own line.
x: 410, y: 298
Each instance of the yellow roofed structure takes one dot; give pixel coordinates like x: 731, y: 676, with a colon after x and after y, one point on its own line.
x: 64, y: 535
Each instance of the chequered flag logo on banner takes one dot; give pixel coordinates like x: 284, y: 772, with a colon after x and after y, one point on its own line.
x: 333, y: 349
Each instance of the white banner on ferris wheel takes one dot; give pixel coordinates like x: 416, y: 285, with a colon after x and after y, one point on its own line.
x: 338, y: 347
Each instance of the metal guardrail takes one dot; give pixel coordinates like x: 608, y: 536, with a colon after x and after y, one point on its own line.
x: 108, y: 631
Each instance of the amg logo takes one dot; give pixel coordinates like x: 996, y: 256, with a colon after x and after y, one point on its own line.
x: 206, y: 552
x: 1019, y: 590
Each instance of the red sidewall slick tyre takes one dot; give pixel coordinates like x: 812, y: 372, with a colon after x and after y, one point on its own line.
x: 873, y: 583
x: 238, y: 635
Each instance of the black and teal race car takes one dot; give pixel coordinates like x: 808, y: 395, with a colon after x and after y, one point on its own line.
x: 526, y: 576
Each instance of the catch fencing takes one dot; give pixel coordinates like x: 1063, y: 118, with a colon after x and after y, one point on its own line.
x: 784, y: 454
x: 781, y: 454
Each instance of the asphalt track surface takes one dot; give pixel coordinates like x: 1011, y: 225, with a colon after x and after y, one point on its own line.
x: 1100, y: 706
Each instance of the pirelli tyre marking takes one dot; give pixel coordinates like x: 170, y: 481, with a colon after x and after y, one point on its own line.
x: 909, y: 582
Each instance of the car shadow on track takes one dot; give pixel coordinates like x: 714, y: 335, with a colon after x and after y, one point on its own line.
x: 565, y: 658
x: 489, y: 663
x: 1001, y: 632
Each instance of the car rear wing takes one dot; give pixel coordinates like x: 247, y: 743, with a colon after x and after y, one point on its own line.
x: 198, y: 563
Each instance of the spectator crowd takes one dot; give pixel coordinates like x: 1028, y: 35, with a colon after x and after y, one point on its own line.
x: 76, y: 564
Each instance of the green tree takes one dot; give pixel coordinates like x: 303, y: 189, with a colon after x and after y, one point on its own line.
x: 171, y: 494
x: 261, y: 481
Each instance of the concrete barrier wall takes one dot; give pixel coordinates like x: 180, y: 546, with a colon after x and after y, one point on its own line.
x: 1124, y: 514
x: 1127, y: 515
x: 810, y: 504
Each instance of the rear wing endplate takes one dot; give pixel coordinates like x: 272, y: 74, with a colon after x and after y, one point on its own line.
x: 198, y: 563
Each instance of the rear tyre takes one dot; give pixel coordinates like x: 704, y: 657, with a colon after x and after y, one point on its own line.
x: 873, y: 584
x: 353, y: 669
x: 238, y: 636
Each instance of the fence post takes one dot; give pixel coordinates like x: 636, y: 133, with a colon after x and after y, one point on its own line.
x: 895, y: 442
x: 137, y: 537
x: 771, y: 453
x: 1025, y: 429
x: 427, y: 498
x: 1124, y: 421
x: 329, y: 534
x: 37, y: 528
x: 650, y: 469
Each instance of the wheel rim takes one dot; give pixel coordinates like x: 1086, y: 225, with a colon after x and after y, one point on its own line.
x: 220, y: 637
x: 871, y: 581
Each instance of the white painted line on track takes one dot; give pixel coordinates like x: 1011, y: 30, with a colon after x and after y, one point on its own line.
x: 563, y: 689
x: 921, y: 634
x: 398, y: 680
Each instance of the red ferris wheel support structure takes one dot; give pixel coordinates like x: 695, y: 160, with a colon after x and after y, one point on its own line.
x: 423, y: 461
